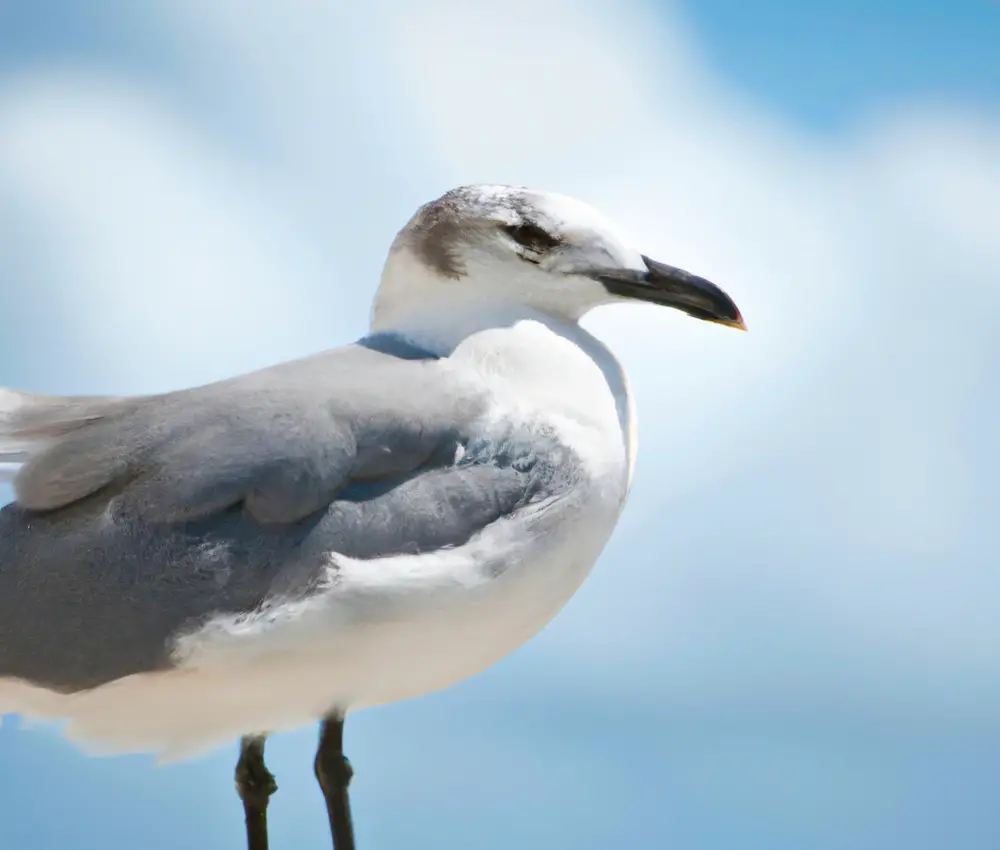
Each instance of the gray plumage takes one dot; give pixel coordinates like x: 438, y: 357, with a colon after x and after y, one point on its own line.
x: 136, y: 518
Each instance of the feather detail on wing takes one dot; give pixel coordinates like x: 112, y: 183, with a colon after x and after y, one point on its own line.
x: 31, y: 424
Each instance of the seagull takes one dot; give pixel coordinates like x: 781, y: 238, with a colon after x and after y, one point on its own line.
x: 360, y: 526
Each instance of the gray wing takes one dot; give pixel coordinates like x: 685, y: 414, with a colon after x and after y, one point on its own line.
x: 137, y: 517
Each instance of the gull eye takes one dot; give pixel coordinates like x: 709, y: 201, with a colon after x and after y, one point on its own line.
x: 536, y: 239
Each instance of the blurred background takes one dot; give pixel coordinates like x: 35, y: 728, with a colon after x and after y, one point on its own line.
x: 793, y: 639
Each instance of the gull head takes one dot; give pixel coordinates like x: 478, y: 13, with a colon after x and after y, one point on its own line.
x: 512, y: 247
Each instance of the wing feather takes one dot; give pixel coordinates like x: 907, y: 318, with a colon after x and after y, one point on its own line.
x: 137, y: 519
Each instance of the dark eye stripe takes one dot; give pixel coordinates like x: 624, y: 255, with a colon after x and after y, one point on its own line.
x: 532, y: 236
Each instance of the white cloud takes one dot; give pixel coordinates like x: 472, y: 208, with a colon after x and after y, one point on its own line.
x: 166, y: 247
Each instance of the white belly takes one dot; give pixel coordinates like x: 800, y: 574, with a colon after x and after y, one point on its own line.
x: 362, y: 643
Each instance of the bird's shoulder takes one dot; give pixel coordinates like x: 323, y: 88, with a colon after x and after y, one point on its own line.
x: 283, y: 440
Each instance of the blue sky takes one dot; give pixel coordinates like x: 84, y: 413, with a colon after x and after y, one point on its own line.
x: 825, y: 65
x: 792, y: 640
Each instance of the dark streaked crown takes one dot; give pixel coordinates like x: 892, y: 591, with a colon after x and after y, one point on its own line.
x: 439, y: 228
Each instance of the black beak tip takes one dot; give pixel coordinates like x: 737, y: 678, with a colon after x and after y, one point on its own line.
x: 728, y: 318
x: 695, y: 295
x: 735, y: 321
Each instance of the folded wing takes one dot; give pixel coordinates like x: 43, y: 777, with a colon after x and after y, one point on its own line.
x: 138, y: 517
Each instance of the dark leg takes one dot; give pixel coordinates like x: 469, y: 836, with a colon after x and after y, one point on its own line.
x: 334, y: 773
x: 255, y: 785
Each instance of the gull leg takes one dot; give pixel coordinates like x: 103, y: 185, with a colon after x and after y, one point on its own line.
x: 255, y: 785
x: 334, y: 773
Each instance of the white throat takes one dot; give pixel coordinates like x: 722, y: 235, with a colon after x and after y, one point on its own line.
x: 551, y: 356
x: 441, y: 328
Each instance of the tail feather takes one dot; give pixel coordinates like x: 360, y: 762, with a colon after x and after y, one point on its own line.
x: 30, y: 424
x: 28, y: 421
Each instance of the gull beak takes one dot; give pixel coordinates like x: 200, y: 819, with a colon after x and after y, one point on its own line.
x: 673, y: 287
